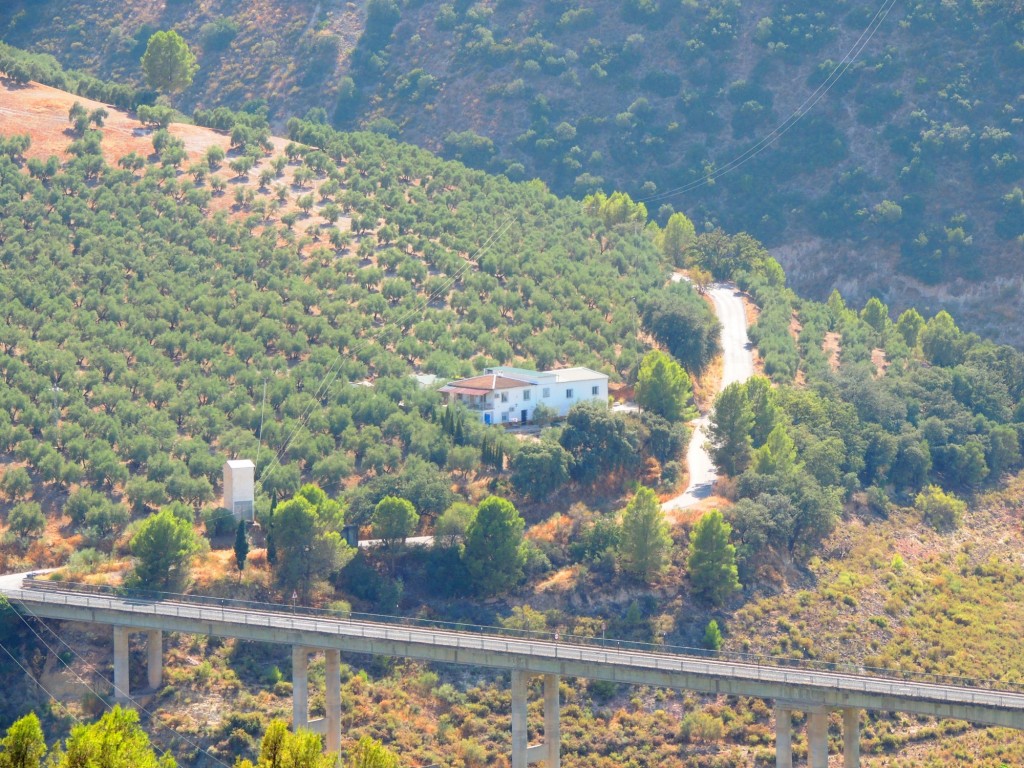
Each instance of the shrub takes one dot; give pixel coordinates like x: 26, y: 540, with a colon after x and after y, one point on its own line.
x: 712, y: 636
x: 700, y: 727
x: 943, y: 511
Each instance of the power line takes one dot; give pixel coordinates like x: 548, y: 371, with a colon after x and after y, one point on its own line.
x: 42, y: 687
x: 764, y: 143
x: 419, y: 305
x: 782, y: 128
x: 84, y: 682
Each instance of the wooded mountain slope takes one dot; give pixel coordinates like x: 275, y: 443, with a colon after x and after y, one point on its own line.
x: 903, y: 180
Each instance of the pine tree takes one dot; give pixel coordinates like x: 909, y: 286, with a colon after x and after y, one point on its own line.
x: 645, y: 542
x: 712, y: 560
x: 664, y: 387
x: 24, y: 745
x: 494, y: 555
x: 778, y: 455
x: 730, y: 428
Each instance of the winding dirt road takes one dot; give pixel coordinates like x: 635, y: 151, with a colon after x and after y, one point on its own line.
x: 737, y: 365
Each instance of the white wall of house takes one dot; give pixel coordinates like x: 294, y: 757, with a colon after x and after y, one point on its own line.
x: 559, y: 390
x: 509, y: 404
x: 563, y: 395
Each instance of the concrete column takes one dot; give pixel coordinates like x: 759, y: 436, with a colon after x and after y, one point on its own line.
x: 519, y: 734
x: 155, y: 657
x: 300, y: 687
x: 817, y: 739
x: 851, y: 738
x: 121, y: 691
x: 333, y: 658
x: 783, y: 737
x: 552, y: 723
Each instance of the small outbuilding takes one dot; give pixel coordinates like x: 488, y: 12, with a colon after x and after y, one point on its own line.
x: 240, y: 488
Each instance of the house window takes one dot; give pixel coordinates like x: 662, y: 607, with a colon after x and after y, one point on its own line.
x: 504, y: 416
x: 595, y: 390
x: 568, y: 393
x: 526, y: 395
x: 504, y: 397
x: 546, y: 392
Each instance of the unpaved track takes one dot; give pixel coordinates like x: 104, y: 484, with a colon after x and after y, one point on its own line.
x: 737, y: 365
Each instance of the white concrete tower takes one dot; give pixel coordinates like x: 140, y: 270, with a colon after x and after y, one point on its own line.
x: 240, y: 488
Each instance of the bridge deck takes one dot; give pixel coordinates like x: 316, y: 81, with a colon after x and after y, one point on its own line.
x: 575, y: 659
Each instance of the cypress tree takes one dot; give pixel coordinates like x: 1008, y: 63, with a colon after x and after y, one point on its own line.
x: 271, y: 544
x: 241, y: 548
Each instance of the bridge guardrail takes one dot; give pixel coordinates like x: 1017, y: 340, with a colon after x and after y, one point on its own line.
x: 521, y: 634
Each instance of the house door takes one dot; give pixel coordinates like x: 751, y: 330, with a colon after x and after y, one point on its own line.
x: 487, y: 418
x: 522, y: 417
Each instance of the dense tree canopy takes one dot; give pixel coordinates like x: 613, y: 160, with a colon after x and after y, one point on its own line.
x: 394, y: 520
x: 113, y: 741
x: 600, y: 443
x: 24, y: 745
x: 307, y: 533
x: 681, y: 321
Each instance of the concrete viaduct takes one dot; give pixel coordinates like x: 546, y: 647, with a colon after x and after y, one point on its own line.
x: 815, y: 692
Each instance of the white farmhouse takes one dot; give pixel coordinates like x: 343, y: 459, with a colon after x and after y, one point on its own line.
x: 506, y: 395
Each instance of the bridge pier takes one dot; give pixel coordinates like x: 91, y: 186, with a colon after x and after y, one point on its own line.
x: 552, y: 723
x: 121, y: 688
x: 783, y: 737
x: 333, y: 699
x: 817, y: 735
x: 300, y: 687
x: 523, y: 753
x: 520, y: 741
x: 155, y: 657
x: 817, y: 738
x: 329, y: 726
x: 851, y: 738
x: 154, y: 661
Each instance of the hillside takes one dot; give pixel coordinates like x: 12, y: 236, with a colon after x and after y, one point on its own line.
x: 899, y: 182
x: 153, y: 290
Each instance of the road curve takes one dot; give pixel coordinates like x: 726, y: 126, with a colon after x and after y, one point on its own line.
x: 737, y: 365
